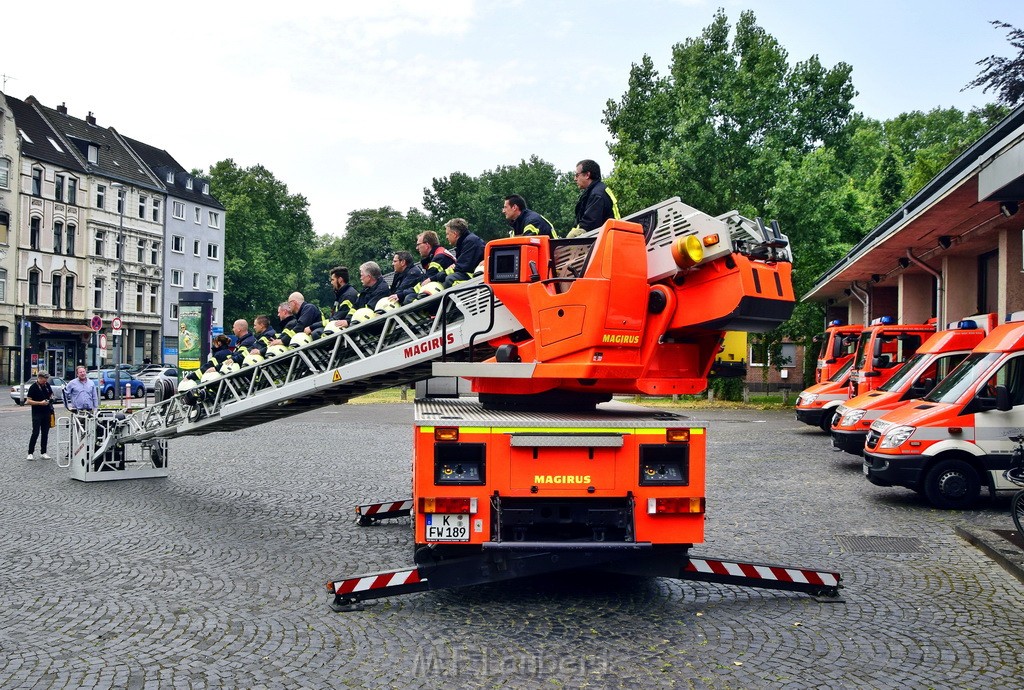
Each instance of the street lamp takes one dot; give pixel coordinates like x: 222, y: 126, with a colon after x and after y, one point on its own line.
x: 122, y: 199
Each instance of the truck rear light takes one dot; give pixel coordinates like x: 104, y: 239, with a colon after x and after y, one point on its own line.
x: 675, y: 506
x: 678, y: 435
x: 447, y: 505
x: 446, y: 433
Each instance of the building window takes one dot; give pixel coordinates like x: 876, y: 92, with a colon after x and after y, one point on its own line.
x: 141, y: 251
x: 759, y: 356
x: 195, y: 248
x: 211, y: 283
x: 195, y: 281
x: 33, y: 287
x: 97, y: 293
x: 178, y: 210
x: 188, y: 184
x: 58, y: 187
x: 5, y: 228
x: 120, y: 201
x: 3, y: 284
x: 172, y: 314
x: 58, y: 237
x: 170, y: 177
x: 156, y: 210
x: 213, y: 315
x: 119, y: 248
x: 206, y: 188
x: 214, y: 219
x: 69, y: 292
x: 33, y: 232
x: 177, y: 244
x: 198, y: 213
x: 70, y: 240
x: 72, y: 191
x: 101, y: 243
x: 101, y: 195
x: 177, y: 278
x: 37, y: 182
x: 213, y: 251
x: 5, y: 173
x: 55, y: 291
x: 152, y: 300
x: 155, y: 254
x: 93, y: 153
x: 142, y: 205
x: 140, y: 295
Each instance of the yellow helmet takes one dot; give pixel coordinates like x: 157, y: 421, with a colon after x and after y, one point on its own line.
x: 362, y: 315
x: 331, y: 328
x: 252, y: 359
x: 275, y: 350
x: 431, y: 288
x: 299, y: 339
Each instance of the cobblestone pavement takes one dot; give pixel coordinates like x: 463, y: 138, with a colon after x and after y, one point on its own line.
x: 214, y: 576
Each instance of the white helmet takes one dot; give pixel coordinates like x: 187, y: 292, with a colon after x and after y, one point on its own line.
x: 210, y: 375
x: 299, y: 339
x: 229, y: 366
x: 252, y: 359
x: 187, y: 385
x: 362, y: 315
x: 385, y: 304
x: 479, y: 269
x: 431, y: 288
x: 275, y: 350
x: 331, y: 328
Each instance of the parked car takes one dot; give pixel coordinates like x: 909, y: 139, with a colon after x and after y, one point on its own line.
x: 153, y: 373
x: 105, y: 380
x: 56, y: 383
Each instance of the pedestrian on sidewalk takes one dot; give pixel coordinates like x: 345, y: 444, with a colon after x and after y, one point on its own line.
x: 40, y: 397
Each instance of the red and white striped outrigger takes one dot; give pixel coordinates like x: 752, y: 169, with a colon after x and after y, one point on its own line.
x: 370, y: 513
x: 507, y: 563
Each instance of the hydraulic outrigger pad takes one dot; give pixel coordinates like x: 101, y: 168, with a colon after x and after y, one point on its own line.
x: 507, y: 564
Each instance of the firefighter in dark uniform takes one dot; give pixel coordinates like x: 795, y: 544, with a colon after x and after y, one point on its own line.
x: 596, y: 203
x: 244, y: 340
x: 408, y: 276
x: 345, y: 297
x: 304, y: 315
x: 265, y: 334
x: 469, y: 251
x: 375, y: 288
x: 525, y: 221
x: 221, y: 352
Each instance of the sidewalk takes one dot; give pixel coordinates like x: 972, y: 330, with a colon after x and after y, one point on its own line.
x: 1004, y: 546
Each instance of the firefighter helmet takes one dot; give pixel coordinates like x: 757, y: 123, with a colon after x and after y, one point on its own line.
x: 186, y: 385
x: 252, y: 359
x: 209, y: 375
x: 299, y: 339
x: 431, y: 288
x: 385, y: 304
x: 331, y: 328
x: 275, y: 350
x: 362, y: 315
x: 229, y: 366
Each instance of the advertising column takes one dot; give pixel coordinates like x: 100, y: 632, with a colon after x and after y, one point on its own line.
x: 195, y: 318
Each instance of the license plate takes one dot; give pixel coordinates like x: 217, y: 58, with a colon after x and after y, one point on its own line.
x: 447, y: 527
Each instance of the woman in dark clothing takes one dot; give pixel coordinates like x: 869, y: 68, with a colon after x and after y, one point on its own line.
x: 40, y: 397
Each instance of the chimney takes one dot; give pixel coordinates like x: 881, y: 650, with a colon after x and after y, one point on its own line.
x: 62, y: 109
x: 90, y: 118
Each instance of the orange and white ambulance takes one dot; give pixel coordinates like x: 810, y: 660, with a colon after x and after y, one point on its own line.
x: 883, y: 347
x: 918, y: 375
x: 838, y: 346
x: 818, y: 403
x: 954, y: 441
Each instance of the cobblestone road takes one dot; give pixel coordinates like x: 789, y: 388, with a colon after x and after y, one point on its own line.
x: 213, y: 577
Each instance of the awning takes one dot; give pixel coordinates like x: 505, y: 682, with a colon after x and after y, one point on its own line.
x: 65, y: 327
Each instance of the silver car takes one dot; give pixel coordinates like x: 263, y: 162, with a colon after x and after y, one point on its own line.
x: 152, y: 374
x: 56, y: 383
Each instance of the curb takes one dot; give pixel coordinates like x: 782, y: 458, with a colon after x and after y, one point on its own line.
x: 997, y: 547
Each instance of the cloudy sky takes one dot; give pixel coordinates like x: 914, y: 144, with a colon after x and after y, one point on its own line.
x: 360, y: 106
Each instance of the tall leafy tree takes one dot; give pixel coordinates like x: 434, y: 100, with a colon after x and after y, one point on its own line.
x: 267, y: 236
x: 1003, y: 75
x: 374, y: 235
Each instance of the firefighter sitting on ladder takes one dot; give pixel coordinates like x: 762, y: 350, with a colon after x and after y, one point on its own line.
x: 469, y: 252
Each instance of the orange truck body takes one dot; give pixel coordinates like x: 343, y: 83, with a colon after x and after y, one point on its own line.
x: 816, y: 404
x: 954, y: 441
x: 882, y: 349
x: 838, y: 346
x: 914, y: 379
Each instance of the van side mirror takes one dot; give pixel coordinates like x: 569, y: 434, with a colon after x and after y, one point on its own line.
x: 1003, y: 399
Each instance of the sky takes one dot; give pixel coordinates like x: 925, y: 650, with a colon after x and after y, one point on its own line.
x: 361, y: 105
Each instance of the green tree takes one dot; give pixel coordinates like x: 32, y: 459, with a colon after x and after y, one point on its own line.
x: 267, y: 236
x: 1003, y: 75
x: 479, y: 199
x: 325, y: 254
x: 374, y: 235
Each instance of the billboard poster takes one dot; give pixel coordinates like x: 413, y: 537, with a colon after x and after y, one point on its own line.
x: 190, y: 328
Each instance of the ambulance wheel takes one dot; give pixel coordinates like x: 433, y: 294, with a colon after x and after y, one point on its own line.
x: 826, y: 421
x: 952, y: 485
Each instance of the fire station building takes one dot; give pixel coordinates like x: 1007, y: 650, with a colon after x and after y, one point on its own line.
x: 952, y: 250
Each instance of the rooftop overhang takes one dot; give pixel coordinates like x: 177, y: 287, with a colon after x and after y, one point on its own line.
x: 959, y: 212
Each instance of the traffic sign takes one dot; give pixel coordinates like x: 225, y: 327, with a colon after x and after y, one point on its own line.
x: 97, y: 323
x: 116, y: 323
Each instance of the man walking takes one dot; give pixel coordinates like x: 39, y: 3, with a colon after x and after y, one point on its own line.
x: 82, y: 395
x: 40, y: 397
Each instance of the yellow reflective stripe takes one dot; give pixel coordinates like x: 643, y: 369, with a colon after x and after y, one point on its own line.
x: 435, y: 265
x: 450, y: 270
x: 615, y: 203
x: 531, y: 229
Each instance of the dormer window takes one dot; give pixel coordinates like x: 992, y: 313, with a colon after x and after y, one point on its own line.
x: 93, y: 153
x: 170, y: 177
x: 206, y: 188
x: 188, y: 184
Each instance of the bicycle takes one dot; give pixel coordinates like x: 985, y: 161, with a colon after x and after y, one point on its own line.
x: 1015, y: 474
